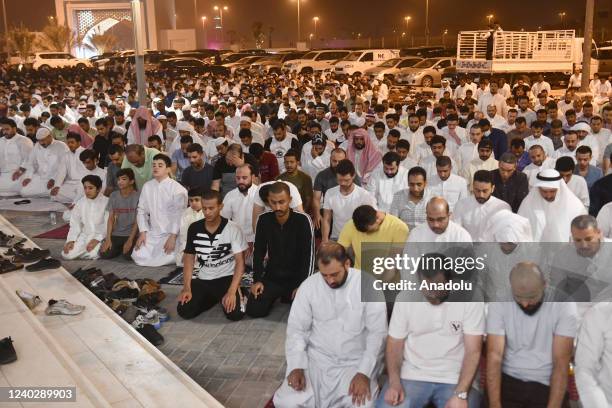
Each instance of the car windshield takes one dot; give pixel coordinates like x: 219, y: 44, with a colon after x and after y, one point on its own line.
x: 353, y: 56
x: 426, y: 63
x: 310, y: 55
x: 390, y: 63
x: 233, y: 58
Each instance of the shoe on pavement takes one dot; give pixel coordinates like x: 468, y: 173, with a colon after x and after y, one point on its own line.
x: 31, y: 255
x: 151, y: 317
x: 8, y: 266
x: 151, y: 334
x: 7, y: 351
x: 44, y: 264
x: 63, y: 307
x: 29, y: 299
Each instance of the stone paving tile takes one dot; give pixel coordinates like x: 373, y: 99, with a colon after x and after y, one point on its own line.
x: 240, y: 364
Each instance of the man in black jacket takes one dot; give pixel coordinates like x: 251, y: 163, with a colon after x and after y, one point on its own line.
x: 286, y: 237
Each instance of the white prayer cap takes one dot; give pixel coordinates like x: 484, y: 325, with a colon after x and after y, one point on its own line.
x: 245, y: 119
x: 162, y: 117
x: 42, y: 132
x: 548, y: 178
x: 156, y: 99
x: 119, y: 129
x: 219, y: 141
x: 581, y: 126
x: 184, y: 126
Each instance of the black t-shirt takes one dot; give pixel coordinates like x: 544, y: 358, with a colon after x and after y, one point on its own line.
x: 201, y: 178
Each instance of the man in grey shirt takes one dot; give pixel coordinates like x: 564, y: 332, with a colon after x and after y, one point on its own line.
x: 122, y: 227
x: 409, y: 204
x: 529, y: 344
x: 115, y: 154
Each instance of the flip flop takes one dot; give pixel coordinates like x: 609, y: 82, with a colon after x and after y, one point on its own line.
x: 22, y: 202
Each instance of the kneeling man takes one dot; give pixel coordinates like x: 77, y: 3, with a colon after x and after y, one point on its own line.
x: 334, y: 340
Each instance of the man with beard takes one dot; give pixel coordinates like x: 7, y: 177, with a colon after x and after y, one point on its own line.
x: 334, y: 340
x: 238, y: 204
x: 102, y: 140
x: 509, y: 184
x: 445, y: 184
x: 281, y: 143
x: 142, y: 126
x: 363, y: 153
x: 497, y: 136
x: 539, y: 162
x: 199, y: 174
x: 298, y: 178
x: 42, y: 164
x: 570, y: 143
x: 484, y: 161
x: 577, y: 184
x: 32, y: 125
x: 439, y: 227
x: 325, y: 180
x: 409, y: 204
x: 434, y: 346
x: 15, y: 150
x: 550, y: 207
x: 470, y: 212
x: 414, y: 133
x: 286, y: 236
x: 387, y: 179
x: 139, y: 158
x: 529, y: 344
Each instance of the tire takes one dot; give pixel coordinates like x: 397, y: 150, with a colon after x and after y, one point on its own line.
x: 44, y: 67
x: 306, y: 70
x: 427, y: 81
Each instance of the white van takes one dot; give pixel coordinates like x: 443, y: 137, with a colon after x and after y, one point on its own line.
x: 319, y: 60
x: 358, y: 61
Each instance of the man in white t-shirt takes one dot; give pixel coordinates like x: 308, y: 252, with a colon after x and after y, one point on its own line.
x: 340, y: 201
x: 433, y: 348
x: 215, y: 252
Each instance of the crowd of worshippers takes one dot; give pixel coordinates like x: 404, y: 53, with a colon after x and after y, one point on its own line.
x: 223, y: 175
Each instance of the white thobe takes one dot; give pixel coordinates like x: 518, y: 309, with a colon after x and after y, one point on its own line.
x: 383, y: 188
x: 489, y: 99
x: 470, y: 214
x: 594, y: 357
x: 453, y: 233
x: 95, y: 172
x: 603, y: 138
x: 68, y: 177
x: 477, y: 164
x: 531, y: 170
x: 238, y: 207
x: 414, y: 138
x: 233, y: 122
x: 429, y: 164
x: 188, y: 218
x: 593, y: 143
x: 529, y: 115
x: 312, y: 167
x: 604, y: 220
x: 453, y: 189
x: 14, y: 153
x: 579, y: 187
x: 543, y: 141
x: 496, y: 121
x: 160, y: 208
x: 41, y: 167
x: 88, y: 221
x: 332, y: 335
x: 466, y: 153
x: 538, y: 87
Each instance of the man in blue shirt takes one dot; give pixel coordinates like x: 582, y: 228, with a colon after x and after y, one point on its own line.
x: 591, y: 174
x: 180, y: 157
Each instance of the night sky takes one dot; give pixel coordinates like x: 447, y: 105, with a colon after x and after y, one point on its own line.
x: 340, y: 18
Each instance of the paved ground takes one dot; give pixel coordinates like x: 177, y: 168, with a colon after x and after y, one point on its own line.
x: 239, y: 363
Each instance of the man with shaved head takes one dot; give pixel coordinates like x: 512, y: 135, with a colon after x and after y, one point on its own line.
x: 439, y: 227
x: 529, y: 343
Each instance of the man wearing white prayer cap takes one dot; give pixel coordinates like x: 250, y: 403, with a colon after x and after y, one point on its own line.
x: 42, y: 164
x: 550, y: 207
x: 585, y: 138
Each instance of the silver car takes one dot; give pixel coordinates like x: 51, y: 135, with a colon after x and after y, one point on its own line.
x: 391, y: 67
x: 427, y: 73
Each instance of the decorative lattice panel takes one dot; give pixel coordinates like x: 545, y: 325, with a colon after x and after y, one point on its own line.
x: 86, y: 19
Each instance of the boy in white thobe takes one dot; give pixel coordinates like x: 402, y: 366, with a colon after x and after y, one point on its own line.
x: 42, y: 165
x: 87, y: 222
x: 334, y: 340
x: 161, y: 205
x: 14, y: 152
x: 191, y: 214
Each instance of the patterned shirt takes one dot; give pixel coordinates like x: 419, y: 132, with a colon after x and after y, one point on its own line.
x: 411, y: 213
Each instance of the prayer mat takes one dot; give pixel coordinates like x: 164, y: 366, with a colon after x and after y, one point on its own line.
x: 35, y: 204
x: 174, y: 278
x: 57, y: 233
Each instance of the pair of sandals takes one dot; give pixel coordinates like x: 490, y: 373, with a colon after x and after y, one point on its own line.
x: 21, y: 202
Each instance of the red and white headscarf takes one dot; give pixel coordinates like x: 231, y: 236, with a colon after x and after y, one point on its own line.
x: 86, y: 139
x: 152, y: 127
x: 371, y: 156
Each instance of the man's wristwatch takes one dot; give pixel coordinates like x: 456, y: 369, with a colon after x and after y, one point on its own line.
x: 462, y: 395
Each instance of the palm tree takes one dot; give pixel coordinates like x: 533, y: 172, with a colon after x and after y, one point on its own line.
x: 20, y: 40
x: 102, y: 42
x: 58, y: 37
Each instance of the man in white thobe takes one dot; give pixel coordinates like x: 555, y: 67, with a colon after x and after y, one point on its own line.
x: 335, y: 341
x: 576, y: 183
x: 445, y: 184
x: 539, y: 162
x: 387, y: 179
x: 88, y: 221
x: 484, y: 161
x: 69, y: 172
x: 472, y: 212
x: 160, y: 209
x: 42, y: 165
x: 550, y: 207
x: 14, y: 153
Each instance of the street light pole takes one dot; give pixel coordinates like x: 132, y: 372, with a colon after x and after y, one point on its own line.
x: 7, y: 46
x: 562, y: 17
x: 316, y: 21
x: 588, y: 39
x: 426, y: 22
x: 139, y: 43
x: 490, y: 18
x: 205, y: 33
x: 299, y: 32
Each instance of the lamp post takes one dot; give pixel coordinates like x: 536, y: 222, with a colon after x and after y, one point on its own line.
x: 407, y: 20
x: 220, y: 18
x: 315, y: 19
x: 299, y: 30
x: 426, y: 22
x: 6, y: 46
x: 444, y: 33
x: 562, y: 17
x: 490, y: 18
x: 205, y: 33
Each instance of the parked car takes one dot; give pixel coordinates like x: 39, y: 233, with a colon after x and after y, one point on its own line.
x: 243, y: 63
x: 274, y: 63
x: 358, y: 61
x: 427, y: 73
x: 604, y: 59
x: 190, y: 66
x: 424, y: 51
x: 233, y: 57
x: 206, y: 55
x: 47, y: 60
x: 391, y: 67
x: 319, y: 60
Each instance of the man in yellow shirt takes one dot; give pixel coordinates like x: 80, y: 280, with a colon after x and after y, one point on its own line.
x: 371, y: 226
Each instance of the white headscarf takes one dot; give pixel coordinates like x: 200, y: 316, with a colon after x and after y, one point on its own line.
x: 505, y: 226
x: 550, y: 221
